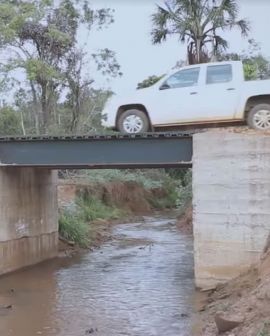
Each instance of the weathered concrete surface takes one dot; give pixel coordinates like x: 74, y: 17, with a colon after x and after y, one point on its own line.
x: 28, y: 217
x: 231, y: 195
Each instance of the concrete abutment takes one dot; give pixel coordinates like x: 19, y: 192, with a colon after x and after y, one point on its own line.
x: 231, y: 203
x: 28, y: 217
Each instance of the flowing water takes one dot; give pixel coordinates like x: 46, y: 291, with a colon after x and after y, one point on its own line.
x: 138, y: 284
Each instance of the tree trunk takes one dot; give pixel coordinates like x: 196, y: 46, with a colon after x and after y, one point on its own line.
x: 76, y: 109
x: 190, y: 54
x: 44, y: 109
x: 22, y: 122
x: 198, y: 51
x: 37, y: 111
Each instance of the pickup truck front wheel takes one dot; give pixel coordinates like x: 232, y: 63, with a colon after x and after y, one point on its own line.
x: 259, y: 117
x: 132, y: 122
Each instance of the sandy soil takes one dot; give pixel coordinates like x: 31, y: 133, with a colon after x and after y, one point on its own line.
x: 246, y: 298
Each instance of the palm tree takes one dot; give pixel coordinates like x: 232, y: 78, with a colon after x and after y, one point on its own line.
x: 199, y: 24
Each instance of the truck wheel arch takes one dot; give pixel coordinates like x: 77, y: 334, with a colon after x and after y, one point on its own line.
x: 255, y: 100
x: 140, y: 107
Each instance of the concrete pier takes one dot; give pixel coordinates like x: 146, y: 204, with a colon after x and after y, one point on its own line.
x: 28, y: 217
x: 231, y: 195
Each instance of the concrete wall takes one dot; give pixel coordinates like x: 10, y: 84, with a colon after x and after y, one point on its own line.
x: 28, y: 217
x: 231, y: 190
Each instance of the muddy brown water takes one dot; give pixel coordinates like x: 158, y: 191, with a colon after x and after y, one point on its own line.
x: 138, y: 284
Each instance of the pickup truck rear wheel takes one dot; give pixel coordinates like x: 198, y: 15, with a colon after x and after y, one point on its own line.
x: 259, y: 117
x: 133, y: 121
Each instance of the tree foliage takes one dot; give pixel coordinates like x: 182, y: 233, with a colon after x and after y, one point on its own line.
x: 151, y: 80
x: 40, y: 37
x: 9, y: 121
x: 256, y: 65
x: 199, y: 24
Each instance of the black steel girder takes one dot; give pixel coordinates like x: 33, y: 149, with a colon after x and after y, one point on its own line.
x: 151, y: 150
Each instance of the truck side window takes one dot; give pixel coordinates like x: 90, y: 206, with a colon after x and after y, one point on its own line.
x: 182, y: 78
x: 219, y: 74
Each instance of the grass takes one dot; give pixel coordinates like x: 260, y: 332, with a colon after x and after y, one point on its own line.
x: 75, y: 225
x: 92, y: 208
x: 73, y: 228
x: 265, y: 330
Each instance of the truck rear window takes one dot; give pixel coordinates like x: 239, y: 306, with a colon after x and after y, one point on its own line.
x: 219, y: 74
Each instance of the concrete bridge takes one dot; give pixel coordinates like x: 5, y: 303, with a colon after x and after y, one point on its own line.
x: 231, y: 192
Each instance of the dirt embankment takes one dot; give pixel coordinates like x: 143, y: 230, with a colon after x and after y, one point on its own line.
x: 129, y: 196
x: 244, y: 300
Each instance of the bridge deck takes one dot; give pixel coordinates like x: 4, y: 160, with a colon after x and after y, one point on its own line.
x: 151, y: 150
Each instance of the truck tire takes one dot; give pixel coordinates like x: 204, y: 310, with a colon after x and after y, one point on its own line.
x: 132, y: 122
x: 259, y: 117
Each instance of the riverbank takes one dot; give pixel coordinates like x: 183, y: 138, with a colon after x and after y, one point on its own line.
x: 239, y: 308
x: 90, y: 207
x: 98, y: 232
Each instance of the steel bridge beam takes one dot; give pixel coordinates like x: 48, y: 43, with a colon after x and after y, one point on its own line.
x: 152, y: 150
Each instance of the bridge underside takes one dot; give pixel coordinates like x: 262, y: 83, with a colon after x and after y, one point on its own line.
x: 90, y: 152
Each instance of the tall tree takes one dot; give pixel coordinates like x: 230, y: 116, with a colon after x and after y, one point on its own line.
x: 198, y: 23
x: 38, y: 35
x: 79, y: 83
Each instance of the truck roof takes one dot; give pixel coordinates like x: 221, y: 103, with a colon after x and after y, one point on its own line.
x: 211, y: 63
x: 171, y: 72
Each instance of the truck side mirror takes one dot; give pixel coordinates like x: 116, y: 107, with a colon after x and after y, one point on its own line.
x: 164, y: 86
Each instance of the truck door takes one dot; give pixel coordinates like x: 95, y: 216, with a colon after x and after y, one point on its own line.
x: 176, y: 99
x: 218, y: 97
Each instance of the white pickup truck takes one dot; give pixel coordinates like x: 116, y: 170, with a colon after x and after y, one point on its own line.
x: 197, y: 94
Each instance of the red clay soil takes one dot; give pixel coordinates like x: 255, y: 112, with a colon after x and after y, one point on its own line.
x: 129, y: 195
x: 246, y: 298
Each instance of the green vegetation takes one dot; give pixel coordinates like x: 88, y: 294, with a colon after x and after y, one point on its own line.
x: 184, y: 191
x: 199, y: 24
x: 91, y: 208
x: 256, y: 66
x: 54, y: 92
x: 74, y: 225
x: 151, y: 80
x: 9, y: 121
x: 265, y: 330
x: 149, y: 179
x: 170, y: 197
x: 73, y: 228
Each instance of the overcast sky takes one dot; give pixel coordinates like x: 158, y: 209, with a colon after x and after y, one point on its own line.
x: 130, y: 38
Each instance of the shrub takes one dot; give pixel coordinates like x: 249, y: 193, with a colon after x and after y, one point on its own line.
x: 9, y: 121
x: 72, y: 227
x: 76, y: 225
x: 92, y: 208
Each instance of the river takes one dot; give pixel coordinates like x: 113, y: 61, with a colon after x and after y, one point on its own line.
x: 138, y: 284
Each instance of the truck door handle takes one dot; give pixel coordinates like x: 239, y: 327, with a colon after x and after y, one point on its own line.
x: 193, y: 93
x: 230, y: 89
